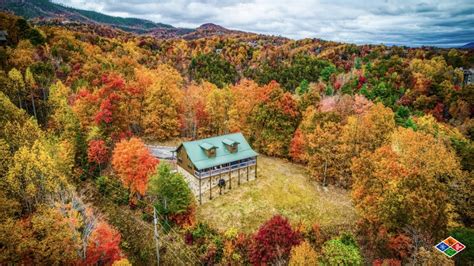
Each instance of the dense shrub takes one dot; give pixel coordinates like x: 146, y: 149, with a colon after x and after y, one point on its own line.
x: 341, y: 251
x: 112, y: 189
x: 208, y: 241
x: 236, y: 248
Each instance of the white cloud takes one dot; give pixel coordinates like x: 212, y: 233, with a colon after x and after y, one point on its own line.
x: 410, y: 22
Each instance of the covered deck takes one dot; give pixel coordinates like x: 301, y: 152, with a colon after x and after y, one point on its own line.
x: 225, y: 168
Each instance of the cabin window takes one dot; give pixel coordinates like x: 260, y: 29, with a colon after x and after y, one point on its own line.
x: 211, y: 152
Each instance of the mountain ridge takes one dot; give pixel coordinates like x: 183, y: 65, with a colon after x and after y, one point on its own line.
x: 468, y: 46
x: 48, y: 11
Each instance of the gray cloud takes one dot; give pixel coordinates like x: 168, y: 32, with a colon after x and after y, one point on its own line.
x: 408, y: 22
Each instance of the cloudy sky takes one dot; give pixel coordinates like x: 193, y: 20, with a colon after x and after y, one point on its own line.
x: 404, y: 22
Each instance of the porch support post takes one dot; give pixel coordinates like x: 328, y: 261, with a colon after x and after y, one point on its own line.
x: 256, y: 164
x: 200, y: 193
x: 210, y: 185
x: 238, y: 180
x: 247, y: 173
x: 230, y: 177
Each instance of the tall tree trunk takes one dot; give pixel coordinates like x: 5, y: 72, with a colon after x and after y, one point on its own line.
x: 19, y: 101
x: 325, y: 168
x: 34, y: 106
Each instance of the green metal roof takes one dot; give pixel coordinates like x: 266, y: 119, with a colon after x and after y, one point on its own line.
x: 201, y: 161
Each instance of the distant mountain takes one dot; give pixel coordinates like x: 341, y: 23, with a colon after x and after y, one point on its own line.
x: 468, y: 46
x: 203, y: 31
x: 212, y: 28
x: 209, y: 29
x: 47, y: 10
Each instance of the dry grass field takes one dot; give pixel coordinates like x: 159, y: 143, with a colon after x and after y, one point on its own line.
x: 281, y: 187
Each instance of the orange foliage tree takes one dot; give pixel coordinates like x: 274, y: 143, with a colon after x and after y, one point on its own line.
x: 246, y: 96
x: 298, y: 147
x: 133, y: 163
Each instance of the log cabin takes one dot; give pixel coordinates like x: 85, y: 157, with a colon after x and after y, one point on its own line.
x: 214, y: 165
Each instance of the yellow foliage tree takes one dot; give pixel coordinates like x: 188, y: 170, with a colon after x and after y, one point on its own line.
x: 303, y: 255
x: 18, y: 85
x: 163, y: 102
x: 47, y: 238
x: 63, y: 121
x: 18, y: 133
x: 368, y: 131
x: 218, y: 106
x: 122, y: 262
x: 23, y: 56
x: 324, y: 160
x: 34, y: 176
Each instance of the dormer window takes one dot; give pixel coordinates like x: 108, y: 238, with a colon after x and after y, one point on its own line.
x: 209, y: 149
x: 231, y: 145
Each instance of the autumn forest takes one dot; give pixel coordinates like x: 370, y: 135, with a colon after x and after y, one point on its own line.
x: 391, y: 126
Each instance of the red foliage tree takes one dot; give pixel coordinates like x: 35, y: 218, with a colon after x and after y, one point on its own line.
x: 107, y: 108
x: 109, y: 94
x: 437, y: 112
x: 133, y: 163
x: 114, y: 111
x: 273, y: 241
x: 103, y: 246
x: 97, y: 152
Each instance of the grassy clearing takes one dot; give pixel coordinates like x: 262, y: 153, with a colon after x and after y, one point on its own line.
x: 281, y: 187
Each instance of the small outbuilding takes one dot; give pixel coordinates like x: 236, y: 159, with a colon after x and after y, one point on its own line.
x: 468, y: 76
x: 221, y: 162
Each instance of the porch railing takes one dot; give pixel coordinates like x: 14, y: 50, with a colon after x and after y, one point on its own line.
x: 224, y: 169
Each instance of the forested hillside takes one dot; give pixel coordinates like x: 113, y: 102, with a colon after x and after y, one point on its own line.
x: 46, y: 9
x: 392, y: 125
